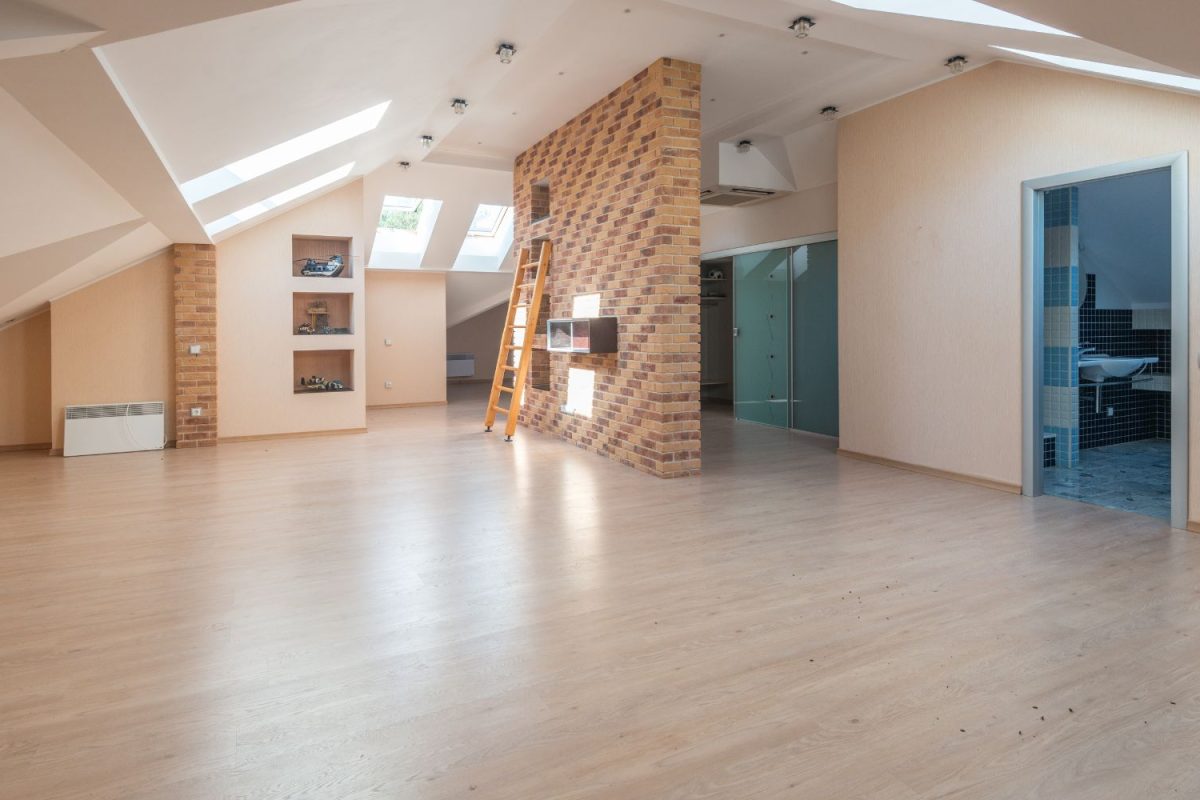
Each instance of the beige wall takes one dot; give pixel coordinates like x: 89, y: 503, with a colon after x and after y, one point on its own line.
x: 25, y: 388
x: 804, y: 213
x: 113, y: 342
x: 930, y: 264
x: 479, y: 335
x: 410, y: 309
x: 255, y: 342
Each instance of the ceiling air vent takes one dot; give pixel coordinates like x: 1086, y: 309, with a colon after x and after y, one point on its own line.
x: 734, y: 195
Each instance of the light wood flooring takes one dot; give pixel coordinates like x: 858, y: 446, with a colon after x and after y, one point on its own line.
x: 425, y: 611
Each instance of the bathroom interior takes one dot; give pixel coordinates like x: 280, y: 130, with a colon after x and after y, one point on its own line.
x: 1106, y: 397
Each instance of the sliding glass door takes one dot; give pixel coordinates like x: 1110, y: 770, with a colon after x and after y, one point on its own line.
x: 814, y: 339
x: 785, y: 337
x: 760, y: 336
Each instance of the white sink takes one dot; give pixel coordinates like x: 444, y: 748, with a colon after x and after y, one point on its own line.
x: 1097, y: 368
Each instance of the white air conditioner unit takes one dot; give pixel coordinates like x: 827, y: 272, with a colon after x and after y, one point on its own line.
x: 730, y: 176
x: 113, y: 428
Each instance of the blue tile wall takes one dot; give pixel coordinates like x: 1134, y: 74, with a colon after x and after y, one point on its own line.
x: 1062, y: 300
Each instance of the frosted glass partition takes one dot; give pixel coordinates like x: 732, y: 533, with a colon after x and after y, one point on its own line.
x: 814, y: 339
x: 760, y: 342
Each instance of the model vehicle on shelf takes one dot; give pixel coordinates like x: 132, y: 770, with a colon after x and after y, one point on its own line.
x: 316, y: 268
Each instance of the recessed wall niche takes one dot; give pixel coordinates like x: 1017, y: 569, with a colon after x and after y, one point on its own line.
x: 311, y: 254
x: 322, y: 313
x: 539, y: 207
x: 334, y: 369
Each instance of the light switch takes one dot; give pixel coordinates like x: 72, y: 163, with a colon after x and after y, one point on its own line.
x: 387, y: 384
x: 194, y: 349
x: 387, y: 342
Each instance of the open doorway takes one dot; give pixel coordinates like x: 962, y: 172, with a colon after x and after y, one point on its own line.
x: 1106, y: 309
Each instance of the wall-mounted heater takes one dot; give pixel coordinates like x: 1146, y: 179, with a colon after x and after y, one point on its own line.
x: 113, y: 428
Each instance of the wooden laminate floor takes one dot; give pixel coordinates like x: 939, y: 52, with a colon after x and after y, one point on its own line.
x: 425, y: 611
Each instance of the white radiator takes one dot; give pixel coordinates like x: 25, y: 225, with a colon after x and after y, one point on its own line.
x: 460, y: 365
x: 113, y: 428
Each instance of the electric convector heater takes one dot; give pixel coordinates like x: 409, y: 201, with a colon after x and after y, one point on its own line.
x: 113, y: 428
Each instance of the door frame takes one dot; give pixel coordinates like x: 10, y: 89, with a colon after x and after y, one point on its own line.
x: 1032, y: 299
x: 783, y: 244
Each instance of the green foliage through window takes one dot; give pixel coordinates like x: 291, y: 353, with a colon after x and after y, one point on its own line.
x: 401, y: 219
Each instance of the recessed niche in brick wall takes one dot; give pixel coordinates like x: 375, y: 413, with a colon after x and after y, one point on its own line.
x: 626, y: 224
x: 539, y: 204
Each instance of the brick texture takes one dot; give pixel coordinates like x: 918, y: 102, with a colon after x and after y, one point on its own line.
x: 195, y: 323
x: 624, y: 187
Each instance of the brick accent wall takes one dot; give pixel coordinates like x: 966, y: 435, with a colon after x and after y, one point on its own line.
x: 624, y: 185
x: 195, y: 323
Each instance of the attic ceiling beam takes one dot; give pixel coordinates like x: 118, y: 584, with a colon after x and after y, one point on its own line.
x: 71, y: 94
x: 30, y: 30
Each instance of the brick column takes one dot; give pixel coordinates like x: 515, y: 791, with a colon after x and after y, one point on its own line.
x: 195, y: 325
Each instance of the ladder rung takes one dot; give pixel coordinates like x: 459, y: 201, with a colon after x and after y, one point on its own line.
x: 510, y: 368
x: 522, y: 327
x: 506, y: 389
x: 501, y: 409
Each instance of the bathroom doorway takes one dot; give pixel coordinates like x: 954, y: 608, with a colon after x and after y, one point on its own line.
x: 1105, y: 311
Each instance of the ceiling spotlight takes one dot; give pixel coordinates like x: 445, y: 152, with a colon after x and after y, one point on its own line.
x: 744, y: 146
x: 427, y: 141
x: 506, y: 52
x: 801, y: 26
x: 956, y: 64
x: 459, y: 105
x: 404, y: 165
x: 829, y: 112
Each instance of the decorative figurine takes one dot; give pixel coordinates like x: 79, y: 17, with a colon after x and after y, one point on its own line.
x: 316, y: 268
x: 305, y: 329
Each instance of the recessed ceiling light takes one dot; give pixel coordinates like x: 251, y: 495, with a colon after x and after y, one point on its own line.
x: 967, y: 11
x: 744, y: 146
x: 459, y: 105
x: 283, y: 154
x: 404, y: 165
x: 1112, y: 70
x: 801, y: 26
x: 426, y: 141
x: 829, y: 112
x: 956, y: 64
x: 276, y: 200
x: 506, y: 52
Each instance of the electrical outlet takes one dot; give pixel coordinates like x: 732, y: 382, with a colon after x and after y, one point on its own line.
x: 194, y: 349
x: 387, y: 384
x: 197, y: 412
x: 387, y: 342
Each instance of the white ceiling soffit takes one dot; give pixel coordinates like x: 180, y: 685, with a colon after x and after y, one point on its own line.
x: 1160, y: 31
x: 216, y: 93
x: 30, y: 30
x: 469, y: 294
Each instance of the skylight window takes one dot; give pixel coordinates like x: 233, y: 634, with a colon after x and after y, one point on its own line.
x: 488, y: 219
x: 405, y: 228
x: 401, y: 213
x: 1112, y: 70
x: 281, y: 155
x: 488, y: 240
x: 276, y: 200
x: 967, y: 11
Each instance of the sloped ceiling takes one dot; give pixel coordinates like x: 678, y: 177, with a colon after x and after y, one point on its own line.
x: 149, y: 95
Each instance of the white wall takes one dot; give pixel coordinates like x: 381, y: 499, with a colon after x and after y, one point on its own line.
x: 254, y: 323
x: 407, y: 307
x: 930, y: 265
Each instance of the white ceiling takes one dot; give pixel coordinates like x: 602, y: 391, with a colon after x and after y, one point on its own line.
x: 166, y: 91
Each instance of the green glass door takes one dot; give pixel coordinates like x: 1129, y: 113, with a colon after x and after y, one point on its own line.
x: 814, y: 339
x: 760, y: 344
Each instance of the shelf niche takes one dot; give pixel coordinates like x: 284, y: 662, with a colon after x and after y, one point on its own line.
x: 327, y: 313
x: 582, y: 335
x: 539, y: 201
x: 321, y: 249
x: 328, y: 364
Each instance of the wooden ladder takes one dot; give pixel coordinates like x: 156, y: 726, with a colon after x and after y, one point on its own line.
x: 523, y: 350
